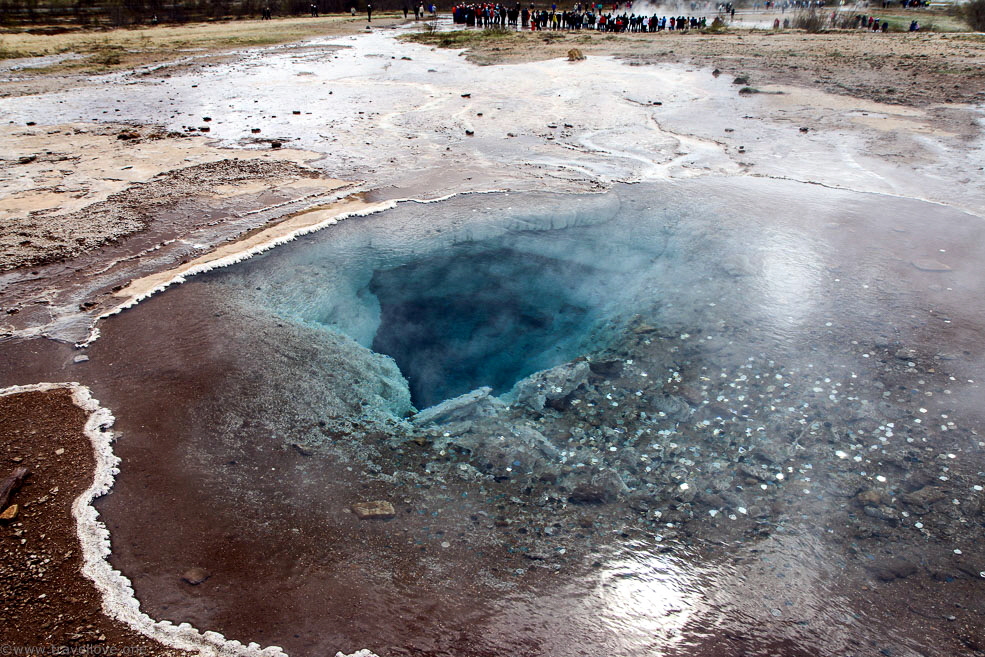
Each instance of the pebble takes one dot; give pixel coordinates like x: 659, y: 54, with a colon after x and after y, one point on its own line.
x: 376, y: 510
x: 195, y: 576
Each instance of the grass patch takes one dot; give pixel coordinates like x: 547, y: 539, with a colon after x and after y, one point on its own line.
x: 460, y: 38
x: 145, y: 45
x: 974, y: 14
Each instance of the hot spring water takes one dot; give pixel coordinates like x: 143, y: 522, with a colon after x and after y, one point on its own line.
x: 628, y: 392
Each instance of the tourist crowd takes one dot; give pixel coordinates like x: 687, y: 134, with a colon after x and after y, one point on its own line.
x: 592, y: 17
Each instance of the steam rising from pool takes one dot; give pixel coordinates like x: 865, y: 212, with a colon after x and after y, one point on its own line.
x: 614, y: 384
x: 463, y: 305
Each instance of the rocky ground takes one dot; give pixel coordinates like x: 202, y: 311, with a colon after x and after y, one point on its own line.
x: 47, y: 604
x: 664, y: 437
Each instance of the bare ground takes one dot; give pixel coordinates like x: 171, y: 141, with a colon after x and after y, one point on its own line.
x: 46, y: 600
x: 920, y: 69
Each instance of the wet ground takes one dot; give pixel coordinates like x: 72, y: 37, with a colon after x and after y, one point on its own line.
x: 759, y: 431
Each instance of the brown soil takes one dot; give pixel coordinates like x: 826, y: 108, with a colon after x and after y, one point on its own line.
x: 46, y: 603
x: 912, y: 69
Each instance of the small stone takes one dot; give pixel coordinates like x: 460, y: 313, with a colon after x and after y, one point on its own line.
x: 869, y: 498
x: 466, y: 95
x: 59, y: 451
x: 80, y: 358
x: 378, y: 510
x: 927, y: 264
x: 10, y: 513
x: 587, y: 494
x: 195, y: 576
x: 27, y: 159
x: 206, y: 118
x: 255, y: 130
x: 296, y: 112
x: 906, y: 354
x: 275, y: 144
x: 469, y: 133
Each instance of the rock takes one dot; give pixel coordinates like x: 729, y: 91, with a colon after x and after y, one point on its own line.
x: 542, y: 388
x: 738, y: 265
x: 204, y: 128
x: 466, y: 95
x: 469, y: 133
x: 27, y: 159
x: 512, y: 451
x: 575, y: 55
x: 255, y: 130
x: 716, y: 72
x: 611, y: 484
x: 803, y: 129
x: 741, y: 80
x: 295, y: 111
x: 927, y: 264
x: 607, y: 368
x: 906, y: 354
x: 587, y: 494
x: 869, y: 498
x: 10, y: 513
x: 921, y: 500
x: 275, y: 144
x: 206, y: 118
x: 675, y: 408
x: 80, y: 358
x: 195, y: 576
x: 59, y: 451
x: 378, y: 510
x: 468, y: 407
x: 881, y: 513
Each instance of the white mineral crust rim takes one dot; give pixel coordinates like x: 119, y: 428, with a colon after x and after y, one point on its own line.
x: 118, y: 600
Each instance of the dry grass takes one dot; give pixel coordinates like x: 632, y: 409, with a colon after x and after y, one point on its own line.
x: 134, y: 46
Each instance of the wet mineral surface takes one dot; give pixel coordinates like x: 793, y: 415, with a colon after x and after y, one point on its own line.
x: 730, y: 416
x: 765, y: 437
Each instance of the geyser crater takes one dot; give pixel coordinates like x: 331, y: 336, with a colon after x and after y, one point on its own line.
x: 483, y: 315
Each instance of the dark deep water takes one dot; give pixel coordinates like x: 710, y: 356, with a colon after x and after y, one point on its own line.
x: 454, y: 323
x: 758, y: 432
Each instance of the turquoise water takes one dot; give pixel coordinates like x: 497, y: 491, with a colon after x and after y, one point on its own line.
x: 723, y: 378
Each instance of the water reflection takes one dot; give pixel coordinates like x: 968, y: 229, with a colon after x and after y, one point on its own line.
x: 647, y: 596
